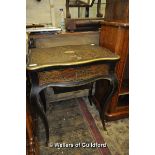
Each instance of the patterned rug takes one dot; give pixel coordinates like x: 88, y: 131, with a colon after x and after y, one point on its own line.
x: 72, y: 130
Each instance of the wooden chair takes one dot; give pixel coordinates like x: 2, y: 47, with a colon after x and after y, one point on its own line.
x: 82, y: 3
x: 83, y: 24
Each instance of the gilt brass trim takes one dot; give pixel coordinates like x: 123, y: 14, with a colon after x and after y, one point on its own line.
x: 69, y: 64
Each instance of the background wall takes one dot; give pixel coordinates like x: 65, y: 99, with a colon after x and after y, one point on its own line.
x: 47, y: 11
x: 37, y: 12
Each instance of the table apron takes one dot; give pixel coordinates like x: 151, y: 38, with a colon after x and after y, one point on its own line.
x: 72, y: 74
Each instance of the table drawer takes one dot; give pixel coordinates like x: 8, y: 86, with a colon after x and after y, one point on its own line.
x: 72, y: 74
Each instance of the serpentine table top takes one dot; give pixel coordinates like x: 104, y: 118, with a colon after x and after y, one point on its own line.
x: 39, y: 58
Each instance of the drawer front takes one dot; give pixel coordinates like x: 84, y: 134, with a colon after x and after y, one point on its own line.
x: 72, y: 74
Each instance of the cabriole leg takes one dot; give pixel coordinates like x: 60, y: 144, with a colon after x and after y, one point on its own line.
x: 113, y: 87
x: 40, y: 112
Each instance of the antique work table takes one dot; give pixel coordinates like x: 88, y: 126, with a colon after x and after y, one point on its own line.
x: 70, y: 66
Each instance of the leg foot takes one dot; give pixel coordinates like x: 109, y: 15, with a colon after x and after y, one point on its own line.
x: 104, y: 105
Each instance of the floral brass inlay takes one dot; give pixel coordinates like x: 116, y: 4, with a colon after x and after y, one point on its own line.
x: 72, y: 74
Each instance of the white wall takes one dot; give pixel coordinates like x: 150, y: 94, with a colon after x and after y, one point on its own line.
x: 47, y: 11
x: 37, y: 12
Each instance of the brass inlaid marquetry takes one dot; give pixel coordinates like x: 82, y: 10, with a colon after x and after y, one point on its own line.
x: 67, y: 55
x: 72, y: 74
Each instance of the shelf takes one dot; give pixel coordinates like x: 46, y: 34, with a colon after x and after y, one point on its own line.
x: 117, y: 115
x: 124, y: 91
x: 123, y: 100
